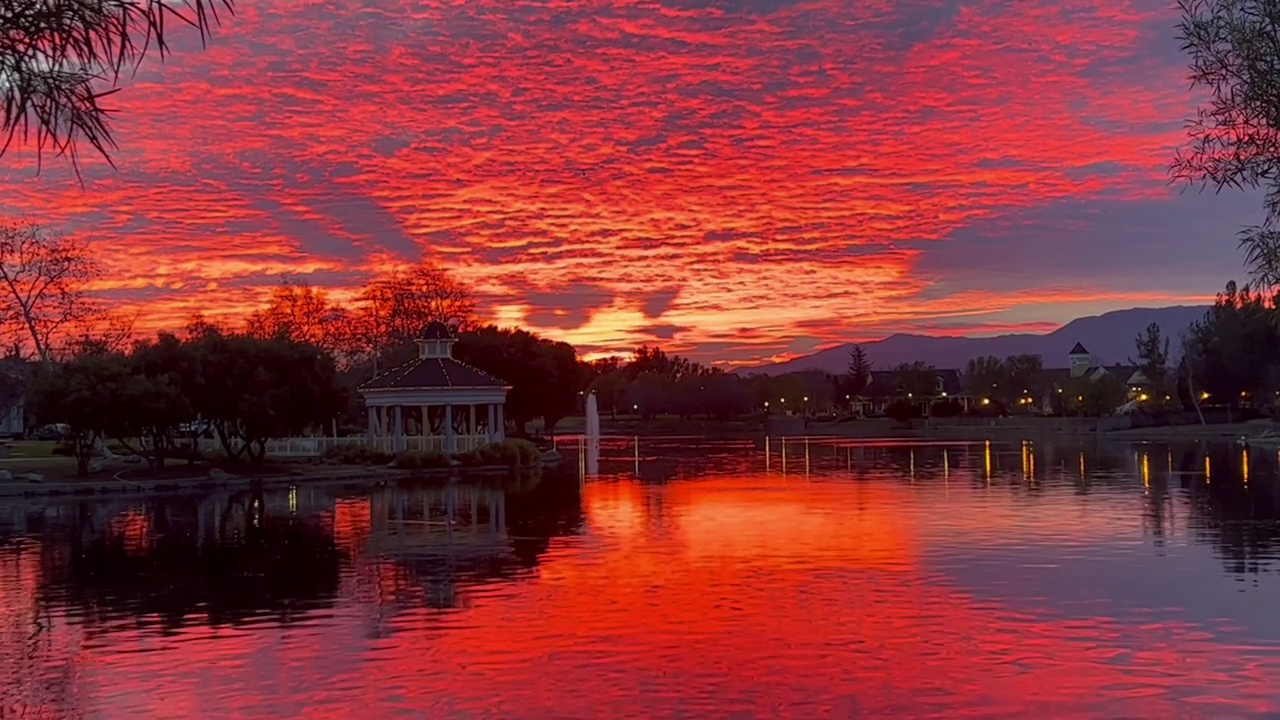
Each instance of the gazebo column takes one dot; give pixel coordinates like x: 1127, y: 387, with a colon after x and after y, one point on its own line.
x: 472, y: 428
x: 425, y: 430
x: 400, y: 445
x: 501, y: 426
x: 490, y: 433
x: 373, y: 424
x: 450, y: 443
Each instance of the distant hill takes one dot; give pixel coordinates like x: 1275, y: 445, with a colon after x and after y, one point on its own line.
x: 1109, y: 337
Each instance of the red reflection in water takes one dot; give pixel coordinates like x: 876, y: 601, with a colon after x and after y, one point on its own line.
x: 756, y: 596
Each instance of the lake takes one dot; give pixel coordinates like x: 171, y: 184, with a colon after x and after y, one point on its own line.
x: 671, y: 578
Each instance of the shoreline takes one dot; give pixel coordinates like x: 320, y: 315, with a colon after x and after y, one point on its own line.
x: 342, y: 475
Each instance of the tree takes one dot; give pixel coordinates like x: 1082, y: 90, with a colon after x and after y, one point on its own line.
x: 1025, y: 373
x: 1095, y: 397
x: 1234, y: 141
x: 1235, y: 348
x: 1153, y: 356
x: 252, y: 390
x: 84, y: 393
x: 543, y: 373
x: 859, y: 374
x: 43, y: 278
x: 15, y: 376
x: 157, y: 402
x: 611, y: 390
x: 394, y: 307
x: 59, y: 59
x: 725, y: 396
x: 988, y: 376
x: 303, y: 314
x: 651, y: 394
x: 918, y: 379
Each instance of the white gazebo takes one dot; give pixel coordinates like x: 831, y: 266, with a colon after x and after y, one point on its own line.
x: 434, y: 402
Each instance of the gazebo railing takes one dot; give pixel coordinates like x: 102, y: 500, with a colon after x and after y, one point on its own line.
x: 309, y: 447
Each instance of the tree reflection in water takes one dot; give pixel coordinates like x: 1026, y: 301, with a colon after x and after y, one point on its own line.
x: 231, y: 557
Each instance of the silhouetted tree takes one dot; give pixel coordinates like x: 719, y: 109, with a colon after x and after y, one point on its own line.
x: 918, y: 379
x: 1235, y: 349
x: 43, y: 277
x: 1234, y: 140
x: 859, y: 374
x: 252, y: 390
x: 304, y: 314
x: 543, y: 373
x: 1153, y: 357
x: 394, y: 307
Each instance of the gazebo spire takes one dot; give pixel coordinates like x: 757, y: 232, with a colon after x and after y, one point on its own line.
x: 436, y: 341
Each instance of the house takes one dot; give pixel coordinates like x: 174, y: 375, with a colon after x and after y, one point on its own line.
x: 884, y: 387
x: 1081, y: 364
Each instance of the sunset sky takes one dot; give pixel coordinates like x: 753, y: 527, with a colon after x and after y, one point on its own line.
x: 738, y: 180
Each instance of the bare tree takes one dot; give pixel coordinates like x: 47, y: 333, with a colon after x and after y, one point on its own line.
x: 43, y: 279
x: 1234, y: 140
x: 60, y: 58
x: 395, y: 307
x: 100, y: 331
x: 1191, y: 362
x: 302, y: 313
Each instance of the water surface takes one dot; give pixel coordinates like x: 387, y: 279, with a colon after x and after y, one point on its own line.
x: 681, y: 578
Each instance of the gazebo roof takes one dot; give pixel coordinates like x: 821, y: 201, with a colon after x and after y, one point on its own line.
x: 432, y: 373
x: 1078, y: 350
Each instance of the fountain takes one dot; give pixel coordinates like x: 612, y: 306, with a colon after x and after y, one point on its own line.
x: 592, y: 439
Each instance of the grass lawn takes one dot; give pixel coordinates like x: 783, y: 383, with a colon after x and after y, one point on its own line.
x: 36, y: 456
x: 32, y: 448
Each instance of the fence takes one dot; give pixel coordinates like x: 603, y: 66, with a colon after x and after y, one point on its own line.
x: 309, y: 447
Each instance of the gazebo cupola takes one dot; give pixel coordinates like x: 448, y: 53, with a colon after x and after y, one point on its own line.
x: 436, y: 342
x: 434, y: 402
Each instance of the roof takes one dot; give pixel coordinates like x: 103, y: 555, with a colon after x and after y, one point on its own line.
x: 884, y: 383
x: 1078, y: 350
x: 436, y: 331
x: 425, y: 373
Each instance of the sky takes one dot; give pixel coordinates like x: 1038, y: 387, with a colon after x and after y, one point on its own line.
x: 736, y: 180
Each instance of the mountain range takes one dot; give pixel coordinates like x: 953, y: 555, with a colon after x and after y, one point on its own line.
x: 1109, y: 337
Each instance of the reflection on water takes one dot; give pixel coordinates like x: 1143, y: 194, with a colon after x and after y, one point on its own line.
x: 670, y: 578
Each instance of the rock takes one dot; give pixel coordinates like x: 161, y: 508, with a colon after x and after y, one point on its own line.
x: 29, y: 477
x: 219, y: 475
x: 6, y: 475
x: 96, y: 466
x: 132, y: 459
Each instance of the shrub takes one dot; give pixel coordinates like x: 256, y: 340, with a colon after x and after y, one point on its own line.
x: 471, y: 458
x: 946, y: 409
x: 426, y: 460
x: 902, y: 411
x: 356, y: 455
x: 526, y: 452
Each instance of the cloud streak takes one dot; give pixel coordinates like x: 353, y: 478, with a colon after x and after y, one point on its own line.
x: 613, y: 172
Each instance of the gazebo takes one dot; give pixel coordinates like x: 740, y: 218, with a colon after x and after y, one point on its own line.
x: 434, y: 402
